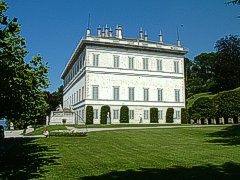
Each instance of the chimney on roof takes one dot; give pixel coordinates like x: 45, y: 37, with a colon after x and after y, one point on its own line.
x: 120, y: 32
x: 110, y: 32
x: 103, y: 33
x: 106, y: 31
x: 141, y: 33
x: 99, y: 31
x: 117, y: 31
x: 88, y: 32
x: 178, y: 43
x: 160, y: 37
x: 146, y: 36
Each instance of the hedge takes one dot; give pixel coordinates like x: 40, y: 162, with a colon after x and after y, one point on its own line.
x: 153, y: 115
x: 184, y: 116
x: 124, y: 114
x: 104, y: 112
x: 169, y: 115
x: 89, y: 115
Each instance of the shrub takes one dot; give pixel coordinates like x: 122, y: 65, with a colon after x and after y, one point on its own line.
x: 184, y: 116
x: 153, y: 115
x: 89, y: 115
x: 124, y: 114
x: 104, y: 113
x: 169, y: 115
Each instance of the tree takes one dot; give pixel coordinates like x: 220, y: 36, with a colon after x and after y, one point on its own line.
x: 22, y: 99
x: 124, y: 114
x: 184, y: 116
x: 105, y: 110
x: 234, y: 2
x: 154, y: 115
x: 89, y: 115
x: 169, y: 115
x: 227, y: 67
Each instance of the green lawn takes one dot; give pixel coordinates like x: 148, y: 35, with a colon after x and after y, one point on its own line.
x: 39, y: 131
x: 179, y: 153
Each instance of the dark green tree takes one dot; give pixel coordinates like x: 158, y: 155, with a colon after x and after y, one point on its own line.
x: 22, y: 99
x: 184, y: 116
x: 105, y: 110
x: 124, y: 114
x: 89, y: 115
x: 169, y: 115
x: 153, y: 115
x: 227, y: 67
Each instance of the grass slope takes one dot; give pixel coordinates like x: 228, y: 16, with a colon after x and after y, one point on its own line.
x: 181, y: 153
x: 192, y: 99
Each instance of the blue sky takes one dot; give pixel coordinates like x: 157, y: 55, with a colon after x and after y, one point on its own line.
x: 52, y: 28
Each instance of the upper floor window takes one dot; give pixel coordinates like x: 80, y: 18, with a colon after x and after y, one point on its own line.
x: 145, y: 63
x: 95, y: 92
x: 131, y: 94
x: 159, y: 65
x: 131, y: 62
x: 176, y: 66
x: 116, y: 61
x: 145, y: 94
x: 177, y: 95
x: 116, y: 93
x: 160, y: 95
x: 82, y: 92
x: 95, y: 59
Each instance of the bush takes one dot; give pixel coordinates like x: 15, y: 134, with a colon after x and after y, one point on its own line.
x: 169, y: 115
x: 89, y: 115
x: 153, y: 115
x: 184, y: 116
x: 104, y: 112
x: 124, y: 114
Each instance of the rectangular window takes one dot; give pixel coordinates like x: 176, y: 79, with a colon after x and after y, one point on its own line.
x: 159, y: 65
x: 131, y: 114
x: 77, y: 97
x: 95, y: 113
x: 177, y: 95
x: 145, y: 94
x: 116, y: 93
x: 95, y: 92
x: 145, y: 63
x: 115, y: 114
x: 74, y: 98
x: 178, y: 115
x: 82, y: 92
x: 95, y: 59
x: 116, y: 61
x: 131, y: 94
x: 83, y: 115
x: 145, y: 114
x: 176, y: 66
x: 160, y: 96
x: 131, y: 62
x: 160, y: 115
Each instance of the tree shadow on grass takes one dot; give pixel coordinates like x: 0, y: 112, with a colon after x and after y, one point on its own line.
x: 227, y: 136
x: 228, y: 170
x: 25, y: 159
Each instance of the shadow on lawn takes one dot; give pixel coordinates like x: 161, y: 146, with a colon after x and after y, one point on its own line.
x: 227, y: 136
x: 25, y: 159
x: 228, y: 170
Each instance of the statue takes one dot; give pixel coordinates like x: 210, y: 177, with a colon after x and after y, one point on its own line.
x: 59, y: 108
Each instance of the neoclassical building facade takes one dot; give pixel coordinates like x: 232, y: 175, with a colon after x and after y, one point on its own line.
x: 116, y: 71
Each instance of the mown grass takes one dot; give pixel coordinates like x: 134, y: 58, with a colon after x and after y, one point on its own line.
x: 185, y: 153
x: 40, y: 131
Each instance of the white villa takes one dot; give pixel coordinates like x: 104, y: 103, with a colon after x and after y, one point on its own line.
x: 116, y: 71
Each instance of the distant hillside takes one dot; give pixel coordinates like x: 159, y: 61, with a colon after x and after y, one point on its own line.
x: 210, y: 95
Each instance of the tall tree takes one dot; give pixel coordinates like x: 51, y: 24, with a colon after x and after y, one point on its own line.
x: 227, y: 67
x: 22, y: 100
